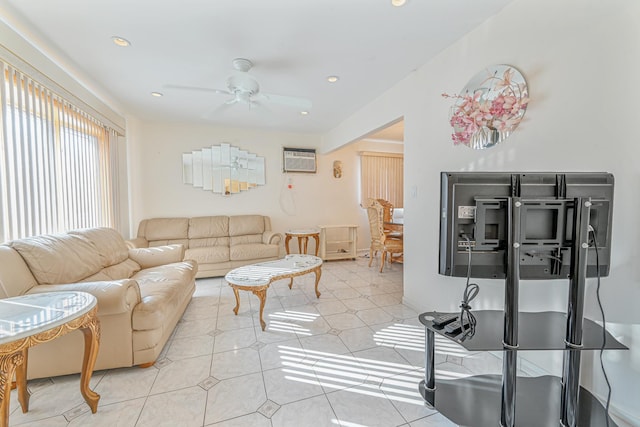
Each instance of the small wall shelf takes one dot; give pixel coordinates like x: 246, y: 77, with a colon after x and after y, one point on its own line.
x: 338, y: 241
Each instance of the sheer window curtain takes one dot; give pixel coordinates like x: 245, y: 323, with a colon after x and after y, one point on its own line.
x: 58, y: 164
x: 381, y: 177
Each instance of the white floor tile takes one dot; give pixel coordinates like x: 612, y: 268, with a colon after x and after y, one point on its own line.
x: 313, y: 412
x: 235, y: 397
x: 184, y: 348
x: 123, y: 384
x: 324, y: 343
x: 234, y: 339
x: 366, y: 407
x: 123, y: 414
x: 291, y: 383
x: 181, y: 374
x: 357, y: 339
x: 251, y: 420
x: 185, y: 406
x: 235, y: 363
x: 344, y: 321
x: 374, y: 316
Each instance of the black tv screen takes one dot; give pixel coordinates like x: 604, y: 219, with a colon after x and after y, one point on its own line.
x: 473, y: 212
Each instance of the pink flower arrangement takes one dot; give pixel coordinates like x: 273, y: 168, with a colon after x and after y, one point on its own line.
x: 498, y: 106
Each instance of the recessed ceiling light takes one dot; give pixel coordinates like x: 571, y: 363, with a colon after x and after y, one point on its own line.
x: 398, y: 3
x: 157, y: 94
x: 120, y: 41
x: 333, y: 79
x: 304, y: 113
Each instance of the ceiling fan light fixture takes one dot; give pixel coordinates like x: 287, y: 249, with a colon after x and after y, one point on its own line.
x: 333, y: 79
x: 398, y: 3
x: 157, y: 94
x: 304, y: 113
x: 121, y: 41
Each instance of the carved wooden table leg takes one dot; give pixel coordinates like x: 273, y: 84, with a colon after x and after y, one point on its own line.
x: 286, y: 243
x: 318, y: 272
x: 21, y: 382
x: 262, y: 295
x: 302, y: 241
x: 316, y: 236
x: 8, y: 364
x: 91, y: 332
x: 235, y: 291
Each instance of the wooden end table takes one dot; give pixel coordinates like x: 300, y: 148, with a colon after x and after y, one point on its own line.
x: 303, y: 235
x: 256, y: 278
x: 36, y: 318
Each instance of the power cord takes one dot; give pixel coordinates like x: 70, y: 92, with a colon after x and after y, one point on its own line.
x: 604, y: 324
x: 470, y: 292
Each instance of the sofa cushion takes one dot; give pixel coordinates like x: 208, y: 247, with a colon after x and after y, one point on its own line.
x: 156, y: 243
x: 165, y: 229
x: 98, y: 277
x: 246, y: 239
x: 209, y: 242
x: 253, y: 251
x: 123, y: 270
x: 108, y: 242
x: 240, y: 225
x: 63, y: 258
x: 208, y: 226
x: 156, y: 256
x: 160, y: 290
x: 206, y: 255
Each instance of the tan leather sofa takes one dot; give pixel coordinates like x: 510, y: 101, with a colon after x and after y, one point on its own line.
x: 217, y: 243
x: 141, y: 294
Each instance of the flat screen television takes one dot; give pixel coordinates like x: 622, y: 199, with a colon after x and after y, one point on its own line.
x: 474, y: 212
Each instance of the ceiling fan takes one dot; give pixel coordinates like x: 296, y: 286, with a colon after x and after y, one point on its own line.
x: 244, y: 89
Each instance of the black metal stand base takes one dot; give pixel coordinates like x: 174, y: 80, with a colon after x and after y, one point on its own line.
x: 476, y: 401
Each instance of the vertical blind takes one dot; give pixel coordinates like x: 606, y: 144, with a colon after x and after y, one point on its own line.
x: 58, y: 164
x: 381, y: 177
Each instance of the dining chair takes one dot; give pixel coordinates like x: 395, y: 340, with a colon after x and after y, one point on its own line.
x: 379, y: 240
x: 387, y: 215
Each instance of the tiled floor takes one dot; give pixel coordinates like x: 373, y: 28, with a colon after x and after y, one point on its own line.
x: 353, y: 357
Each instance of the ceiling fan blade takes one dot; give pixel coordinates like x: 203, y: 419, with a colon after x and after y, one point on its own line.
x: 289, y: 101
x: 199, y: 89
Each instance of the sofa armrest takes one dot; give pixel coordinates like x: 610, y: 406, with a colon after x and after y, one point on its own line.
x: 271, y: 238
x: 114, y: 296
x: 157, y: 255
x: 138, y: 242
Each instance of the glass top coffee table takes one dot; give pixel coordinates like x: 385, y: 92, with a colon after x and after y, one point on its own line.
x: 32, y: 319
x: 256, y: 278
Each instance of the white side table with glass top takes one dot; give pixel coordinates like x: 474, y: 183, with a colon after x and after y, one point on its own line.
x: 32, y: 319
x: 303, y: 235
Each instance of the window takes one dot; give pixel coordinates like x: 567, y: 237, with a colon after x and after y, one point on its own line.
x: 381, y: 177
x: 58, y: 167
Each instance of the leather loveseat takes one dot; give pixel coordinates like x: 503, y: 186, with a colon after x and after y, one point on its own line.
x: 141, y: 294
x: 217, y: 243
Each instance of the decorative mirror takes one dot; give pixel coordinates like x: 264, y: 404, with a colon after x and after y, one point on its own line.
x: 489, y: 108
x: 223, y: 169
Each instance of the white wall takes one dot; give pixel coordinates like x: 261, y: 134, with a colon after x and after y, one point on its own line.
x: 155, y: 153
x: 582, y: 62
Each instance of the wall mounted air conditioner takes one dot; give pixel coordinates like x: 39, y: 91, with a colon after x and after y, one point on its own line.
x: 299, y: 160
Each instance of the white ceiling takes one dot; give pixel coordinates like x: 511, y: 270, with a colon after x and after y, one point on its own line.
x: 294, y: 45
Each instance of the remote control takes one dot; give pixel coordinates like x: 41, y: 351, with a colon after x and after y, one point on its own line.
x: 455, y: 327
x: 444, y: 319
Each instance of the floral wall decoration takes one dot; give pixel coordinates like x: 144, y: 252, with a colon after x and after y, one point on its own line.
x: 489, y: 108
